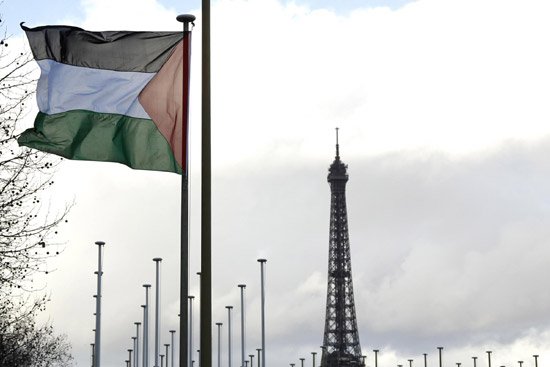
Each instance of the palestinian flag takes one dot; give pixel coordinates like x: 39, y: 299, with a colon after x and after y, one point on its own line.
x: 112, y: 96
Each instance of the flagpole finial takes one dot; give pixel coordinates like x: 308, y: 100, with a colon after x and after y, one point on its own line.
x: 186, y: 19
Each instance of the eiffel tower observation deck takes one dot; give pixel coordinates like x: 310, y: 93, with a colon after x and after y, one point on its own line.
x: 341, y: 345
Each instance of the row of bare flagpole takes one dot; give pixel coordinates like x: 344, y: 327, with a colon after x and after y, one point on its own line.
x: 141, y: 337
x: 96, y: 346
x: 144, y: 340
x: 376, y: 351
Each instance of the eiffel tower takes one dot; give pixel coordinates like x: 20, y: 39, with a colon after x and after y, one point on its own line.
x: 341, y: 340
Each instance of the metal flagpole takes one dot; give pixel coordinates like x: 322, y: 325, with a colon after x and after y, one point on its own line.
x: 229, y: 335
x: 190, y: 363
x: 206, y: 196
x: 136, y: 354
x: 199, y: 329
x: 134, y: 346
x: 157, y: 261
x: 173, y: 346
x: 262, y: 262
x: 143, y: 338
x: 184, y: 235
x: 219, y: 324
x: 242, y: 286
x: 97, y: 362
x: 146, y: 327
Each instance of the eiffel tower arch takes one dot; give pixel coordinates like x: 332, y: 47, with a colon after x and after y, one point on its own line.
x: 341, y: 345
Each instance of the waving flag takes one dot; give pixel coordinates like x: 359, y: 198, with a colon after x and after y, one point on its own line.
x: 114, y: 96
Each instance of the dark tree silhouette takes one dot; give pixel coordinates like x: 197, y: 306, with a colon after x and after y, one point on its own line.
x: 23, y: 343
x: 27, y: 224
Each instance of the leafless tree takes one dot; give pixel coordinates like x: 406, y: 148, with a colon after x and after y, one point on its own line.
x: 23, y: 343
x: 27, y: 224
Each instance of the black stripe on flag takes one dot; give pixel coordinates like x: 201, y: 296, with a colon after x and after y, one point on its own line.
x: 111, y: 50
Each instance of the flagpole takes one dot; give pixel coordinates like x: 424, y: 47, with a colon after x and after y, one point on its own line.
x: 206, y: 196
x: 157, y: 261
x: 184, y: 245
x: 99, y: 273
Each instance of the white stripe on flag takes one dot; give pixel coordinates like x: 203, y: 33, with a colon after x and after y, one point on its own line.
x: 64, y: 88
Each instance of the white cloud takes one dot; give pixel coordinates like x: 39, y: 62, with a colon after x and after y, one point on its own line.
x: 146, y: 15
x: 447, y: 75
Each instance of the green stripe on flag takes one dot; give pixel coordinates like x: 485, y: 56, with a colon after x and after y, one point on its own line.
x: 92, y: 136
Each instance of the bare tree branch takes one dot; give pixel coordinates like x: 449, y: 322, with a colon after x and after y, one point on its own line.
x: 27, y: 225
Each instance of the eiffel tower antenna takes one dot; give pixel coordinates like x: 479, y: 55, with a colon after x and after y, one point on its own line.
x: 337, y: 145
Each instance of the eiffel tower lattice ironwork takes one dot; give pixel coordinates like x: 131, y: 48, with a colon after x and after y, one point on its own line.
x: 341, y: 340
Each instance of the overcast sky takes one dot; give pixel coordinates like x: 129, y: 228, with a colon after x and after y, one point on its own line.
x: 444, y: 118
